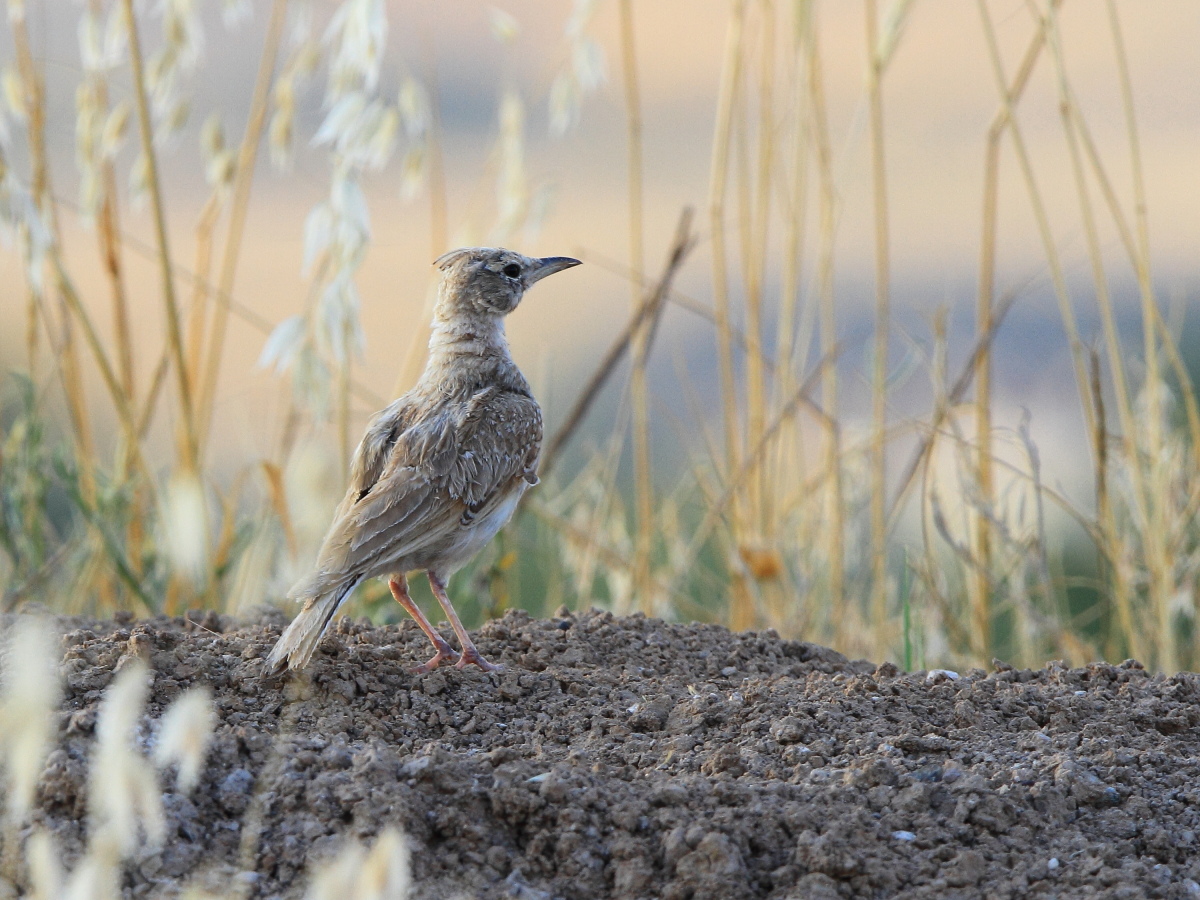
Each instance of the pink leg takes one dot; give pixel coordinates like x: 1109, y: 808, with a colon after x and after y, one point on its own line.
x: 399, y: 586
x: 469, y: 653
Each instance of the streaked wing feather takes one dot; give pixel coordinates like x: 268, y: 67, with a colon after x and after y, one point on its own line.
x: 455, y: 462
x: 499, y: 440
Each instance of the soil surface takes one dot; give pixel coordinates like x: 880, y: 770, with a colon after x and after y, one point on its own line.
x: 627, y: 757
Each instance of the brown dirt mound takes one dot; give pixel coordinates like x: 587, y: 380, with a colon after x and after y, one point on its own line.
x: 632, y: 758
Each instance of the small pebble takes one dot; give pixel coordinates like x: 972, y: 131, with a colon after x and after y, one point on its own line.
x: 1053, y: 864
x: 904, y: 836
x: 935, y: 675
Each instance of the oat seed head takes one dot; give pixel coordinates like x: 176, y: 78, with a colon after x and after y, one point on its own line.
x: 46, y: 876
x: 583, y: 74
x: 184, y: 735
x: 303, y: 56
x: 219, y: 164
x: 101, y: 44
x: 27, y: 704
x: 185, y: 521
x: 236, y: 13
x: 281, y: 132
x: 383, y: 873
x: 139, y: 181
x: 116, y: 125
x: 505, y: 27
x: 564, y: 104
x: 413, y: 102
x: 415, y: 117
x: 123, y: 792
x: 89, y: 125
x: 14, y: 94
x: 90, y: 35
x: 512, y: 187
x: 283, y: 345
x: 21, y: 219
x: 356, y: 37
x: 360, y: 131
x: 894, y: 19
x: 387, y: 872
x: 171, y: 65
x: 342, y: 333
x: 97, y: 875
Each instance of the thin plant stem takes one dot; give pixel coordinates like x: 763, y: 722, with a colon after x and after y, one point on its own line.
x: 879, y: 612
x: 243, y: 180
x: 835, y: 506
x: 980, y: 587
x: 189, y: 448
x: 1148, y: 505
x: 639, y: 393
x: 642, y: 322
x: 65, y: 351
x: 414, y: 356
x: 727, y: 102
x: 1106, y: 519
x: 731, y: 73
x: 1061, y: 292
x: 796, y: 219
x: 345, y: 438
x: 1192, y: 408
x: 108, y: 237
x: 1142, y: 258
x: 758, y: 224
x: 1158, y: 558
x: 201, y: 285
x: 107, y: 372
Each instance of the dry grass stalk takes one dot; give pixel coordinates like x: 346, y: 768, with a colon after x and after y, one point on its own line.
x: 782, y: 495
x: 643, y: 321
x: 835, y: 506
x: 243, y: 179
x: 984, y: 326
x: 189, y: 447
x: 638, y: 389
x: 876, y: 65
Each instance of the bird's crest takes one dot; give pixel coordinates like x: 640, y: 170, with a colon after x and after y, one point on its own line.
x: 446, y: 260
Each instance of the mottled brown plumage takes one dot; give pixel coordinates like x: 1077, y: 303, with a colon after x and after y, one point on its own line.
x: 440, y: 470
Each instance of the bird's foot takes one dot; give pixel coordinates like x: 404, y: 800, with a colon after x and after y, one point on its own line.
x: 471, y: 655
x: 444, y: 652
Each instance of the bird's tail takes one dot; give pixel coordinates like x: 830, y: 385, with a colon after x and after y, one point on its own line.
x: 296, y: 645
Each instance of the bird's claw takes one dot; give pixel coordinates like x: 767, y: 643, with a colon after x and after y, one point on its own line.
x: 445, y: 652
x: 474, y: 656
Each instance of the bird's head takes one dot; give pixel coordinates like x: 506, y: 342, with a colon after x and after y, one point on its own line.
x: 490, y: 281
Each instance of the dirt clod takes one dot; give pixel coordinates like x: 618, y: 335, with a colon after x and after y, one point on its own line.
x: 629, y: 758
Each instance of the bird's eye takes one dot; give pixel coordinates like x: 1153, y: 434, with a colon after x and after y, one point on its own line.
x: 512, y: 270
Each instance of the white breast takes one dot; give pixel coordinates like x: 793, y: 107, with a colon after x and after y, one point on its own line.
x: 472, y: 539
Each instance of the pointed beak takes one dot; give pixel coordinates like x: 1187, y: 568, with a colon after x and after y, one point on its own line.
x: 548, y: 265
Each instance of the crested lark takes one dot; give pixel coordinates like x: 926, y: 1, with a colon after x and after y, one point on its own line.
x: 440, y: 471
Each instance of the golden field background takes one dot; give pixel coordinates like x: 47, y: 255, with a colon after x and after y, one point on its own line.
x: 741, y: 499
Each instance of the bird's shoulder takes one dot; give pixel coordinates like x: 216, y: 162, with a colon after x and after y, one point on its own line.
x: 470, y: 438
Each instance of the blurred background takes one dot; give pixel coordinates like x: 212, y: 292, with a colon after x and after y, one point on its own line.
x: 887, y: 304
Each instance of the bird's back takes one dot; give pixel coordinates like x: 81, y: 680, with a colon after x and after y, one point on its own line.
x: 437, y: 473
